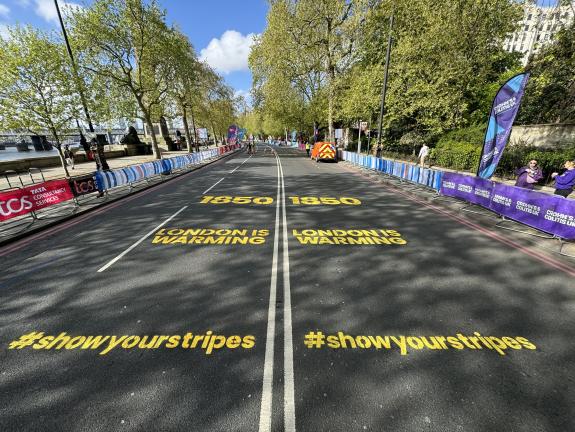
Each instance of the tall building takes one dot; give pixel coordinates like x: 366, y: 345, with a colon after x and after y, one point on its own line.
x: 537, y: 28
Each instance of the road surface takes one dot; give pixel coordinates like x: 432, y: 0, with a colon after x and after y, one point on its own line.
x: 274, y: 293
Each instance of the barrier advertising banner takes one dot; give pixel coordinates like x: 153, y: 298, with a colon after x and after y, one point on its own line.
x: 549, y: 213
x: 83, y: 185
x: 505, y: 107
x: 22, y: 201
x: 471, y: 189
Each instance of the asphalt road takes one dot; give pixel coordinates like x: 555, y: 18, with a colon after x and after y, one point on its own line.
x: 207, y: 290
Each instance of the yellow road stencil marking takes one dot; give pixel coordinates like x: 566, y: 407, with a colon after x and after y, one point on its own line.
x: 225, y: 199
x: 208, y: 342
x: 349, y: 237
x: 310, y: 200
x: 210, y: 236
x: 406, y: 344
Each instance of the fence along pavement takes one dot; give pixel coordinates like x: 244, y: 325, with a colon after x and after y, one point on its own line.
x: 114, y: 184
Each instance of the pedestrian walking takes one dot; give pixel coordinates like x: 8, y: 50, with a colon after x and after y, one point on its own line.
x: 69, y: 156
x: 565, y: 182
x: 307, y: 148
x: 423, y: 152
x: 529, y: 175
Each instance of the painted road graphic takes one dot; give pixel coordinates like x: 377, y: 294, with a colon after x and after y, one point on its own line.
x: 269, y: 292
x: 208, y: 342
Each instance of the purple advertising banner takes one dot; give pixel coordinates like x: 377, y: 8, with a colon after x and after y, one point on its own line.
x: 505, y: 107
x: 472, y: 189
x: 550, y: 213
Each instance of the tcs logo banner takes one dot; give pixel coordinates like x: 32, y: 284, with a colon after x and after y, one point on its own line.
x: 22, y: 201
x: 83, y: 185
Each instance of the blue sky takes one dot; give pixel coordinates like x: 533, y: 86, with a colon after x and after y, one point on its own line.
x: 220, y: 30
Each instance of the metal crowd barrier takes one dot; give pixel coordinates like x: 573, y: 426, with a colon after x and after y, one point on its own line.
x: 84, y: 190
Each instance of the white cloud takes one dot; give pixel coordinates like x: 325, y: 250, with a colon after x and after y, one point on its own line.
x: 4, y: 10
x: 228, y: 53
x: 23, y: 3
x: 4, y: 32
x: 47, y: 9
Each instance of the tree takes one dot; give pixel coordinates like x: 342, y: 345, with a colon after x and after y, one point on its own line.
x: 550, y: 92
x: 186, y: 79
x: 128, y: 42
x: 37, y: 91
x: 305, y: 47
x: 443, y: 55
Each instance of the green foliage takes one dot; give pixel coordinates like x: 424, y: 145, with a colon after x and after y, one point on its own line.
x: 549, y: 160
x: 471, y: 134
x: 296, y: 63
x: 461, y: 156
x: 550, y: 92
x: 38, y: 91
x: 443, y: 53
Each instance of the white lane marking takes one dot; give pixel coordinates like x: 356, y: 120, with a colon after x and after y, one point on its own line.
x: 289, y: 392
x: 101, y: 269
x: 212, y: 186
x: 234, y: 170
x: 267, y: 386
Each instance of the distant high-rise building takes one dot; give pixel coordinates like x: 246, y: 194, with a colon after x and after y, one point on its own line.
x: 537, y: 28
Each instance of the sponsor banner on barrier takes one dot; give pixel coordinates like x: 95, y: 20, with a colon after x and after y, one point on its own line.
x: 83, y: 185
x: 549, y: 213
x: 471, y: 189
x: 22, y: 201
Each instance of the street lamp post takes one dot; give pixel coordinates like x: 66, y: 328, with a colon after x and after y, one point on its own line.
x: 80, y: 90
x: 384, y: 89
x: 99, y: 156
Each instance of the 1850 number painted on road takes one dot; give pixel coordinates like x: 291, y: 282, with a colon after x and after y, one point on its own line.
x: 304, y: 200
x: 224, y: 199
x: 310, y: 200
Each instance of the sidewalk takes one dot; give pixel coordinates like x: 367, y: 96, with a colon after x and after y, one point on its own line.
x: 57, y: 172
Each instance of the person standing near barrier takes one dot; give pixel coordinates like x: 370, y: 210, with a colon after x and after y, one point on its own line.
x: 307, y: 148
x: 423, y: 152
x: 529, y: 175
x: 565, y: 182
x: 69, y: 156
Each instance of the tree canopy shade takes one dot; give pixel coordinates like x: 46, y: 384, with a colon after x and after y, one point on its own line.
x: 128, y: 43
x: 323, y: 61
x: 37, y: 90
x: 550, y: 93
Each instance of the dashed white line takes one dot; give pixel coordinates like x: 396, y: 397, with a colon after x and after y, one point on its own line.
x: 101, y: 269
x: 234, y: 170
x: 212, y: 186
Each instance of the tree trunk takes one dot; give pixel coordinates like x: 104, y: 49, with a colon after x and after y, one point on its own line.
x: 148, y: 119
x: 194, y: 127
x: 214, y: 133
x: 59, y: 148
x: 155, y: 147
x: 187, y: 129
x: 330, y: 104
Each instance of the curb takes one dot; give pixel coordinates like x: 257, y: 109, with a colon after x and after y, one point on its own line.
x: 32, y: 231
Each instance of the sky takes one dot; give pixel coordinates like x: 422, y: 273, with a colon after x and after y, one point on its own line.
x: 221, y: 31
